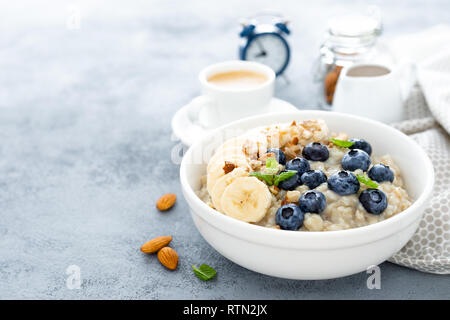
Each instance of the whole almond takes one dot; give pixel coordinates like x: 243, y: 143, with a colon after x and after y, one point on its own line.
x: 156, y: 244
x: 168, y: 258
x: 166, y: 201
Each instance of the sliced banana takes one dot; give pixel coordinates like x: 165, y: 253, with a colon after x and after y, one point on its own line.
x: 246, y: 199
x: 234, y: 143
x: 217, y: 169
x: 222, y: 183
x: 251, y: 144
x: 237, y: 151
x: 225, y: 154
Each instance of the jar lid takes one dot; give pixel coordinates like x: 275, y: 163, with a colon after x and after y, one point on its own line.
x: 354, y: 25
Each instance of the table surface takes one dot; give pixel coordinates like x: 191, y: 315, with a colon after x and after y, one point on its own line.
x: 86, y: 146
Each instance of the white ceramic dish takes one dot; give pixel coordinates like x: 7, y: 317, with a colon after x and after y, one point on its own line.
x: 189, y: 132
x: 311, y: 255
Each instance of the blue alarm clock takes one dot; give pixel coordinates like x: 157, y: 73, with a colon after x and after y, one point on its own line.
x: 265, y: 42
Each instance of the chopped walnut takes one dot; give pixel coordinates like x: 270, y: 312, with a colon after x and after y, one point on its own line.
x: 274, y: 190
x: 293, y: 147
x: 228, y: 167
x: 289, y: 154
x: 255, y: 164
x: 264, y: 157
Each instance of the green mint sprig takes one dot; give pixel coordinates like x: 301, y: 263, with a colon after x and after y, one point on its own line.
x: 342, y: 143
x: 367, y: 181
x: 271, y: 177
x: 271, y: 165
x: 283, y: 176
x: 204, y: 272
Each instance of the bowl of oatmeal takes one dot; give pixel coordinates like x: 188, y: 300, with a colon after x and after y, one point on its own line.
x: 306, y: 195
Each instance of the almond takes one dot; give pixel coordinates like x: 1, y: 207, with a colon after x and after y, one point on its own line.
x: 156, y: 244
x: 168, y: 258
x: 166, y: 201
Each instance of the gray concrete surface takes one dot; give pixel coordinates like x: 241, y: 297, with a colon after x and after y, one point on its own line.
x: 85, y: 146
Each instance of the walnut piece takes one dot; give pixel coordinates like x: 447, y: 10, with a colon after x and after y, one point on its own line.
x: 228, y: 167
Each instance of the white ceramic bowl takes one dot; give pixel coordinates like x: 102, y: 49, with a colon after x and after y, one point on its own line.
x: 311, y: 255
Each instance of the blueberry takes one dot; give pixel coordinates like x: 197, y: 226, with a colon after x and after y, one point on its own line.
x: 343, y: 183
x: 356, y: 159
x: 380, y: 173
x: 373, y: 200
x: 289, y: 217
x: 312, y: 201
x: 315, y: 151
x: 313, y: 178
x: 361, y: 144
x: 279, y: 155
x: 291, y: 183
x: 300, y: 165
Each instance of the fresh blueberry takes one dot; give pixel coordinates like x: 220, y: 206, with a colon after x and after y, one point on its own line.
x: 300, y: 165
x: 315, y: 151
x: 356, y: 159
x: 343, y: 183
x: 373, y: 200
x: 380, y: 173
x: 313, y: 178
x: 291, y: 183
x: 289, y: 217
x: 279, y: 155
x: 312, y: 201
x: 361, y: 144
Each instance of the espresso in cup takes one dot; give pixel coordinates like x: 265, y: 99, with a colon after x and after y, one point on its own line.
x: 232, y: 90
x: 238, y: 79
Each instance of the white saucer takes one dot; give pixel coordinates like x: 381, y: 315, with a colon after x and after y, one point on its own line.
x: 187, y: 131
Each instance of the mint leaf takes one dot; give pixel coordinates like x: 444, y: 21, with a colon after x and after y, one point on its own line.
x: 342, y: 143
x: 267, y: 177
x: 204, y: 272
x: 367, y: 181
x: 273, y: 179
x: 284, y: 176
x: 271, y: 165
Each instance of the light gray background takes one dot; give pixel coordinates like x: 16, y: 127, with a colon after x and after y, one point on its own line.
x: 85, y: 145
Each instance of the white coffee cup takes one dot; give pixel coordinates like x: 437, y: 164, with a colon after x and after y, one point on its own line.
x: 219, y: 105
x: 373, y: 91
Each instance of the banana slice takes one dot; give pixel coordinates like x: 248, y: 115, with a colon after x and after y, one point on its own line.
x: 222, y: 183
x: 246, y: 199
x: 234, y: 143
x: 237, y: 151
x: 225, y: 154
x: 217, y: 170
x: 251, y: 145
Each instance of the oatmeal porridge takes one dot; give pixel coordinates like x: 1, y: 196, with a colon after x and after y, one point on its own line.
x: 298, y: 176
